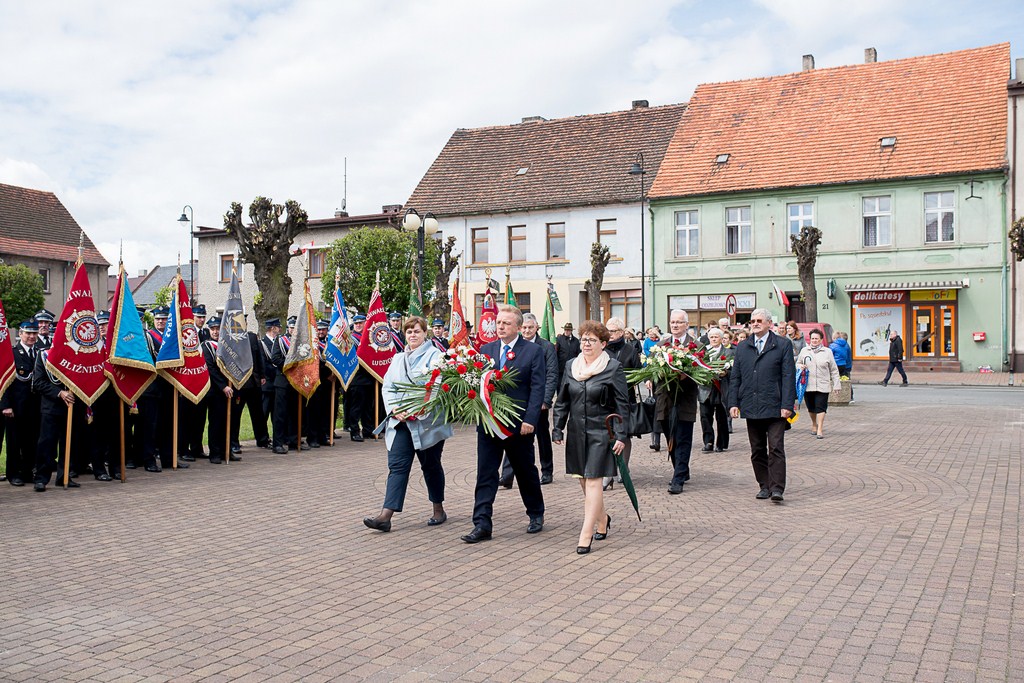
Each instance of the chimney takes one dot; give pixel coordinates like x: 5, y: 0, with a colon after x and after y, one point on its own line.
x: 808, y: 62
x: 641, y: 104
x: 533, y: 119
x: 143, y: 272
x: 870, y: 55
x: 391, y: 208
x: 1020, y: 68
x: 338, y: 213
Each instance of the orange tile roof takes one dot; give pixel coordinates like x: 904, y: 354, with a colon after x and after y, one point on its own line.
x: 821, y: 127
x: 574, y: 161
x: 35, y: 224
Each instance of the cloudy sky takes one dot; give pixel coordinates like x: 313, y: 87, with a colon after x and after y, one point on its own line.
x: 130, y: 110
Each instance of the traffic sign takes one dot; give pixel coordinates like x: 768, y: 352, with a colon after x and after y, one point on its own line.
x: 730, y: 305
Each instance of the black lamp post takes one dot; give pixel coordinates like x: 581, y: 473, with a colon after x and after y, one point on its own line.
x: 423, y: 227
x: 639, y: 170
x: 191, y: 254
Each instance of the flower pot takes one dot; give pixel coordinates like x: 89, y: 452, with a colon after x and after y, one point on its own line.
x: 842, y: 395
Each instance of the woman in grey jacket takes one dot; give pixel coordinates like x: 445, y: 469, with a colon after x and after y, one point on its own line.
x: 410, y: 436
x: 593, y: 387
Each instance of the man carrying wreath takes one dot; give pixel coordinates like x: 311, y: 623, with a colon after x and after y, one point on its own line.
x: 676, y: 404
x: 511, y: 351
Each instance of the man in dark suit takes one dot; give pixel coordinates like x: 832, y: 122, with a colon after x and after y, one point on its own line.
x: 273, y: 328
x: 510, y: 351
x: 286, y: 399
x: 19, y: 407
x: 45, y: 319
x: 543, y: 431
x: 762, y: 388
x: 676, y: 405
x: 568, y: 348
x: 216, y: 399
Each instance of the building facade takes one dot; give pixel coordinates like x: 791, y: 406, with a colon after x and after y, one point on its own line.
x: 1015, y: 212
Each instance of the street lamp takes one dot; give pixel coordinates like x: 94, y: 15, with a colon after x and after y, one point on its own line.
x: 191, y: 254
x: 423, y: 227
x: 638, y: 169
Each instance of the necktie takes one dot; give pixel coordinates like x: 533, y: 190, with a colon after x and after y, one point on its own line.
x: 760, y: 346
x: 504, y: 356
x: 675, y: 342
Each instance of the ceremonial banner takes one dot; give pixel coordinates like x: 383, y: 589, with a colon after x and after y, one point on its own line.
x: 547, y: 328
x: 377, y: 345
x: 234, y: 354
x: 302, y: 364
x: 6, y: 353
x: 340, y: 352
x: 415, y: 297
x: 76, y: 357
x: 128, y: 365
x: 458, y: 334
x: 487, y: 329
x: 510, y: 296
x: 180, y: 360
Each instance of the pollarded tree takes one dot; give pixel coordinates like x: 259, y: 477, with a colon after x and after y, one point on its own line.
x: 600, y: 255
x: 805, y: 246
x: 266, y: 243
x: 21, y: 290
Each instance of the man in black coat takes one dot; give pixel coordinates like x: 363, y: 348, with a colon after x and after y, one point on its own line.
x: 762, y: 388
x: 568, y: 347
x: 712, y: 399
x: 676, y: 405
x: 510, y: 351
x: 217, y: 398
x: 273, y: 328
x: 286, y: 399
x: 19, y: 407
x: 895, y: 359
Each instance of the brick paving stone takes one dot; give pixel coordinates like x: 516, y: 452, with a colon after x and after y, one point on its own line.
x: 885, y: 563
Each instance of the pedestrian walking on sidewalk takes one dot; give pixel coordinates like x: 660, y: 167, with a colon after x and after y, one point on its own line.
x: 895, y: 359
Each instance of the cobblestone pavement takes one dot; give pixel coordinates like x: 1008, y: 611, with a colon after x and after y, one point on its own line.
x: 896, y: 556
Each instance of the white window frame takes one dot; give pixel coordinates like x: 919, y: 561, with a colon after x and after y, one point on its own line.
x: 607, y: 234
x: 939, y: 211
x: 876, y: 213
x: 690, y: 229
x: 803, y: 218
x: 743, y: 228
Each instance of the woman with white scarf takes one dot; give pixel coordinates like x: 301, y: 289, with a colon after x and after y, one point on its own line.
x: 593, y: 387
x: 411, y: 435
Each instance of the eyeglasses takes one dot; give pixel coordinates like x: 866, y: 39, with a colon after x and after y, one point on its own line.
x: 611, y: 331
x: 588, y: 340
x: 758, y: 320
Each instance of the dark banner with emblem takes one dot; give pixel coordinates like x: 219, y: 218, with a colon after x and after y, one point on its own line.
x: 6, y: 353
x: 234, y: 355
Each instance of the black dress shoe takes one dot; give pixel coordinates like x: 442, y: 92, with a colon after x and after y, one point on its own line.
x: 280, y: 450
x: 182, y: 465
x: 186, y: 458
x: 16, y: 481
x: 129, y: 465
x: 236, y: 449
x: 153, y: 468
x: 357, y: 437
x: 707, y: 448
x: 546, y: 479
x: 584, y: 549
x: 39, y: 486
x: 719, y: 449
x: 763, y: 494
x: 505, y: 483
x: 103, y: 476
x: 536, y: 524
x: 654, y: 448
x: 477, y: 535
x: 438, y: 521
x: 72, y: 484
x: 314, y: 444
x: 378, y: 524
x: 777, y: 496
x: 235, y: 458
x: 215, y: 460
x: 304, y: 447
x: 675, y: 489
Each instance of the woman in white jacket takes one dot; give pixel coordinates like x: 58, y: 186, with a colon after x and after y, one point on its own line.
x: 822, y: 378
x: 411, y: 436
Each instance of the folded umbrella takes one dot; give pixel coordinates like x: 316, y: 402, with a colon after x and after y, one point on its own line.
x: 627, y: 480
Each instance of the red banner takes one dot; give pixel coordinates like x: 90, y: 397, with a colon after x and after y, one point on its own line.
x: 487, y: 329
x: 185, y: 366
x: 6, y: 353
x: 377, y: 345
x: 457, y: 323
x: 76, y: 357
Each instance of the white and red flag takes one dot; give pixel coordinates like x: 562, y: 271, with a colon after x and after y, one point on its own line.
x: 180, y: 360
x: 377, y: 345
x: 77, y: 357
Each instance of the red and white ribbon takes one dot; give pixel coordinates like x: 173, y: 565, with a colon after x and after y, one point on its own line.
x: 497, y: 428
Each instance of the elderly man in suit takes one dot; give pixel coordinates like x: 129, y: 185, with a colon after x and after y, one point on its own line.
x: 676, y: 405
x: 511, y: 351
x: 712, y: 399
x: 763, y: 390
x: 543, y: 431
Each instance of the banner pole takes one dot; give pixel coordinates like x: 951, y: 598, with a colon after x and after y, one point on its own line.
x: 298, y: 439
x: 174, y: 432
x: 376, y: 407
x: 121, y: 411
x: 227, y: 437
x: 334, y: 408
x: 67, y: 447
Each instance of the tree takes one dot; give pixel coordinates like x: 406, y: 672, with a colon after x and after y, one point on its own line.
x: 365, y: 251
x: 599, y: 257
x: 1017, y: 239
x: 22, y: 294
x: 266, y: 243
x: 441, y: 307
x: 805, y: 246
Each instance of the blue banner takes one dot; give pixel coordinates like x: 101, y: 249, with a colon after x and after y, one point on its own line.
x: 340, y: 352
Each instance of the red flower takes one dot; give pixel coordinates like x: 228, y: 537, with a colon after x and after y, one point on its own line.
x: 471, y: 393
x: 497, y: 375
x: 445, y: 388
x: 461, y: 369
x: 478, y: 365
x: 700, y: 354
x: 693, y: 363
x: 434, y: 374
x: 692, y: 346
x: 490, y: 386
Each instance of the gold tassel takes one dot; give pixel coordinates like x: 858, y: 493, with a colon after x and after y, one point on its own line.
x: 134, y: 410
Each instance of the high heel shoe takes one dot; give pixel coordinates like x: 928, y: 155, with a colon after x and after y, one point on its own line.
x: 378, y: 524
x: 584, y: 549
x: 610, y: 485
x: 608, y: 527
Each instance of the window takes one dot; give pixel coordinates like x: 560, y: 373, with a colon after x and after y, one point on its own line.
x: 625, y: 304
x: 556, y: 241
x: 877, y: 221
x: 480, y: 240
x: 799, y: 215
x: 45, y: 274
x: 516, y: 243
x: 737, y: 230
x: 606, y: 234
x: 226, y: 261
x: 687, y: 233
x: 316, y: 262
x: 938, y: 217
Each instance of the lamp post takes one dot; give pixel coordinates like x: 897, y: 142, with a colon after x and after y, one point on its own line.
x: 191, y: 254
x: 423, y: 227
x: 639, y: 170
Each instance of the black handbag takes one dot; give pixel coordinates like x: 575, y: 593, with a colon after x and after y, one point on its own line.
x: 641, y: 416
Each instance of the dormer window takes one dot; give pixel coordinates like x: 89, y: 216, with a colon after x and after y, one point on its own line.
x: 887, y: 143
x: 721, y: 159
x: 523, y: 170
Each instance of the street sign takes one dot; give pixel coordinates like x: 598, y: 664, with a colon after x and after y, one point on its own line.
x: 730, y: 306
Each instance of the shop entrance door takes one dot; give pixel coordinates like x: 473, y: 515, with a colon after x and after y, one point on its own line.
x: 925, y: 341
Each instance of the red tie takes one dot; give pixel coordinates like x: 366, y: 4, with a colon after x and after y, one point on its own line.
x: 675, y: 342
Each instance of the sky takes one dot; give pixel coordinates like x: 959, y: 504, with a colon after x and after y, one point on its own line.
x: 129, y: 111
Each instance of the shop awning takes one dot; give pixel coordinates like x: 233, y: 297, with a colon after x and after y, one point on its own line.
x: 896, y: 286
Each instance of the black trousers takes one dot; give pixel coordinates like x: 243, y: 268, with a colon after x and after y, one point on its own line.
x: 489, y: 451
x: 250, y: 398
x: 52, y: 449
x: 712, y: 416
x: 165, y: 425
x: 898, y: 366
x: 544, y: 452
x: 22, y: 438
x: 191, y: 426
x: 681, y: 447
x: 316, y: 410
x: 768, y: 451
x: 217, y: 414
x: 286, y: 417
x: 144, y: 442
x: 359, y: 408
x: 267, y: 395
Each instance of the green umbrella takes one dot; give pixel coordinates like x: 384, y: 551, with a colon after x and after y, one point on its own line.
x: 627, y: 480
